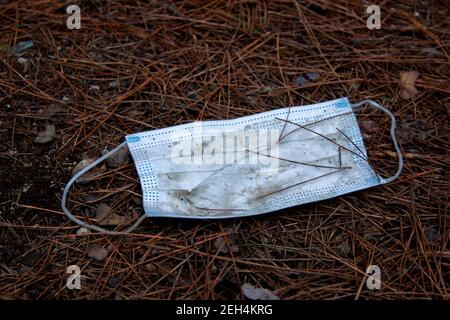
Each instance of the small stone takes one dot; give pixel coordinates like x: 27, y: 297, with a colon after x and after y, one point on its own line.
x: 83, y: 231
x: 46, y: 136
x: 97, y: 253
x: 312, y: 76
x: 300, y: 80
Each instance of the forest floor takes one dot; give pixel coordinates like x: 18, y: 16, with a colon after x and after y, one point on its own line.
x: 134, y: 67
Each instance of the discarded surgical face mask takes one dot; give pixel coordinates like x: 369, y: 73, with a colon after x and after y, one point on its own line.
x: 250, y: 165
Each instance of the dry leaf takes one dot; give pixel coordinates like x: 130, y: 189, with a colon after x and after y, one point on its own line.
x: 231, y: 234
x: 88, y: 176
x: 257, y: 293
x: 106, y: 216
x: 407, y: 82
x: 97, y: 253
x: 117, y: 159
x: 47, y: 135
x: 137, y: 201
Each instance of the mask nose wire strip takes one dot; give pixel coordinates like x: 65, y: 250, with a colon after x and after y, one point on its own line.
x: 393, y: 136
x: 84, y: 224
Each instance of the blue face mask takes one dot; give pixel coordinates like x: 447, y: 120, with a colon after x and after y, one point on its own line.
x: 250, y: 165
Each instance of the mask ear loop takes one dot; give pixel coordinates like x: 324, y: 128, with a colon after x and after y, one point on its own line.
x: 87, y: 225
x: 393, y: 136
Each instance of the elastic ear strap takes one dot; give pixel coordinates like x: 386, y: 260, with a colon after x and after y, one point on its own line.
x: 79, y: 174
x: 393, y: 136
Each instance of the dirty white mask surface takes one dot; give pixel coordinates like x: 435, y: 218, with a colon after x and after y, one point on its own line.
x: 250, y: 165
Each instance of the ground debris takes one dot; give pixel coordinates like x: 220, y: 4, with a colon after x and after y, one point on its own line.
x: 20, y: 47
x: 305, y: 78
x: 97, y: 253
x: 83, y: 231
x: 226, y: 243
x: 407, y: 84
x: 431, y: 234
x: 117, y: 159
x: 220, y: 61
x: 91, y: 174
x: 253, y: 293
x: 107, y: 216
x: 47, y: 135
